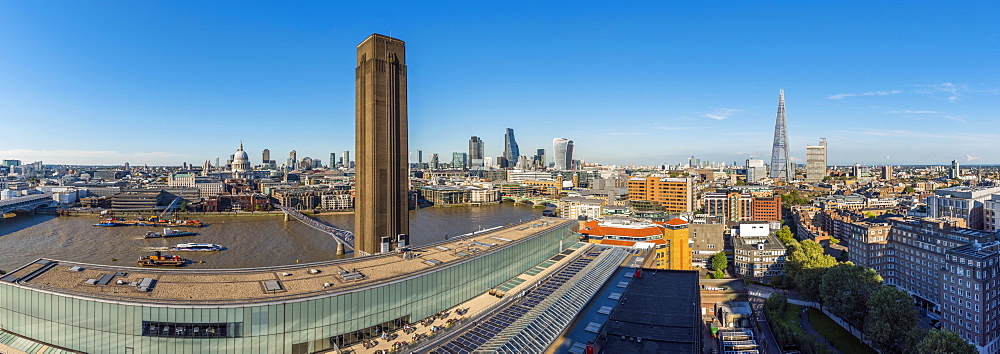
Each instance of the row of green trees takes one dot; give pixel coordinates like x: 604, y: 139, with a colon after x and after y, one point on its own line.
x: 856, y: 295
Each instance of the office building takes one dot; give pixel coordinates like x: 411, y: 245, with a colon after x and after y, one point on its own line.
x: 781, y: 164
x: 475, y: 152
x: 293, y: 160
x: 510, y: 151
x: 962, y: 202
x: 435, y: 164
x: 673, y: 195
x: 539, y: 158
x: 459, y: 160
x: 346, y: 156
x: 816, y: 162
x: 382, y: 181
x: 757, y: 252
x: 333, y: 160
x: 563, y: 153
x: 755, y: 170
x: 265, y: 155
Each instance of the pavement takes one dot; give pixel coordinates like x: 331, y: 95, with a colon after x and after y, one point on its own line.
x: 808, y: 328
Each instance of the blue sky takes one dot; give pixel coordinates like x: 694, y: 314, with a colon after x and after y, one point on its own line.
x: 644, y: 82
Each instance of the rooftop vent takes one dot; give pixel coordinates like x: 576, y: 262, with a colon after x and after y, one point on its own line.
x: 146, y: 284
x: 349, y: 276
x: 272, y: 285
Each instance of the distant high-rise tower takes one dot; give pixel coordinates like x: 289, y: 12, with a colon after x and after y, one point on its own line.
x: 346, y: 158
x: 293, y: 160
x: 266, y: 155
x: 563, y: 150
x: 816, y: 161
x: 333, y: 160
x: 510, y: 150
x: 434, y: 161
x: 459, y: 160
x: 539, y: 158
x: 475, y: 152
x: 781, y: 166
x: 887, y: 172
x: 381, y: 172
x: 127, y: 167
x: 955, y: 171
x: 420, y: 158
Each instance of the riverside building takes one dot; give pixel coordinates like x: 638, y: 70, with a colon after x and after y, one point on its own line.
x: 301, y: 308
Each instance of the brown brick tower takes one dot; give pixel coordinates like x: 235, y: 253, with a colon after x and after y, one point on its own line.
x: 381, y: 169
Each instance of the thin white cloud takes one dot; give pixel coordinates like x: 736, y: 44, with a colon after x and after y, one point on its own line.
x: 956, y: 118
x: 972, y: 158
x: 869, y: 93
x: 948, y: 88
x: 721, y: 113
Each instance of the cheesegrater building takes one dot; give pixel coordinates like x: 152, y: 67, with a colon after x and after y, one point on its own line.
x: 382, y: 181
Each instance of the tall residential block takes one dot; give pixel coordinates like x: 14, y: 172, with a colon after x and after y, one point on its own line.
x: 674, y: 195
x: 816, y: 162
x: 381, y: 207
x: 345, y: 158
x: 781, y: 164
x: 954, y: 172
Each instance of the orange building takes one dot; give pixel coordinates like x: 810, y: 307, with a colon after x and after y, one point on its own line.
x: 677, y: 252
x: 766, y: 209
x: 669, y: 241
x: 673, y: 194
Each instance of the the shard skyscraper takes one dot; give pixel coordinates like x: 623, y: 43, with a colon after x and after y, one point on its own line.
x: 781, y: 167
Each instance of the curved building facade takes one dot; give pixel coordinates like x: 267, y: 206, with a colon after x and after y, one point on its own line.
x: 563, y: 150
x: 288, y: 309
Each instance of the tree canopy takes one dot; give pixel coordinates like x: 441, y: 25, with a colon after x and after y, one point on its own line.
x: 845, y: 290
x: 804, y: 255
x: 890, y: 318
x: 719, y: 261
x: 944, y: 341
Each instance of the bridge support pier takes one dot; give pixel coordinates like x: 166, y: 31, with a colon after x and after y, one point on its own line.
x: 340, y: 249
x: 286, y: 217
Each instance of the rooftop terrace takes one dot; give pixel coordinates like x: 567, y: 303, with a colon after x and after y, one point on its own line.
x: 188, y: 287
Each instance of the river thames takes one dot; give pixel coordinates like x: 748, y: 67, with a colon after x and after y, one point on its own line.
x: 250, y: 241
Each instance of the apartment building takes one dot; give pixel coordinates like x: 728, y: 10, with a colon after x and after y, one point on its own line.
x: 674, y: 195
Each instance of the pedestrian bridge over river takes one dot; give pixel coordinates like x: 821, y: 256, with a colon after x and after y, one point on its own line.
x: 343, y: 237
x: 28, y: 203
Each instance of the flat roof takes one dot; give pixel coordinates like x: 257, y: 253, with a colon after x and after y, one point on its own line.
x: 659, y: 313
x: 204, y: 287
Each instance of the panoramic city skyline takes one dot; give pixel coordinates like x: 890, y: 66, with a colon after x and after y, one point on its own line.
x: 160, y: 84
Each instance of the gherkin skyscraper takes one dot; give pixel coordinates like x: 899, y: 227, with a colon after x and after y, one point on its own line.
x: 781, y: 167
